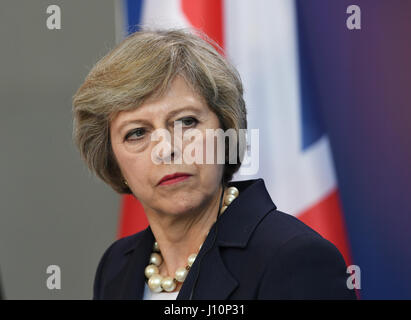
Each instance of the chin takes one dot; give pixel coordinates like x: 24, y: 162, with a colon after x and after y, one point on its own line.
x: 181, y: 206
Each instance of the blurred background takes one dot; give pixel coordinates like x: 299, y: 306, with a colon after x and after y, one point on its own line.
x: 326, y: 84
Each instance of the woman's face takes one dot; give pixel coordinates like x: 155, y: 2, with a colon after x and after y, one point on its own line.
x: 144, y: 166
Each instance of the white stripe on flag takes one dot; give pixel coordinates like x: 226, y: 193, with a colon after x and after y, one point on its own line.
x: 164, y: 14
x: 261, y: 42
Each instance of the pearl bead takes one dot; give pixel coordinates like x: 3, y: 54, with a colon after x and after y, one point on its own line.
x: 156, y: 248
x: 233, y: 191
x: 191, y: 259
x: 150, y: 270
x: 168, y: 284
x: 154, y: 283
x: 228, y: 199
x: 181, y: 274
x: 156, y: 259
x: 223, y: 209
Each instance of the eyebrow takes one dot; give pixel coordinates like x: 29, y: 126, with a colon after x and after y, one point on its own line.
x: 169, y: 115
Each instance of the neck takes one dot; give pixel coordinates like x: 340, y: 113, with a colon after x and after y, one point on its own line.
x: 180, y: 236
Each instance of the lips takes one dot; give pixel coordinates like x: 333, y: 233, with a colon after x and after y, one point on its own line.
x: 174, y: 178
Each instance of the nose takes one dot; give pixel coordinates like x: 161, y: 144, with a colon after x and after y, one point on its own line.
x: 168, y: 149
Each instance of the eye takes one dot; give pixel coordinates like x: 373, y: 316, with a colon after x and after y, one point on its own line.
x: 135, y: 134
x: 188, y: 121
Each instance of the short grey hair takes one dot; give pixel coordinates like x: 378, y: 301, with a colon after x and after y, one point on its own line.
x: 143, y: 66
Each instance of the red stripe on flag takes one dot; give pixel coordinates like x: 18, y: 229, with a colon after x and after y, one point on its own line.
x: 207, y: 16
x: 132, y: 217
x: 327, y: 219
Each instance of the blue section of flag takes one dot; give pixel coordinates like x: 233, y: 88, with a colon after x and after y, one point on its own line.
x: 365, y: 101
x: 311, y: 121
x: 133, y: 14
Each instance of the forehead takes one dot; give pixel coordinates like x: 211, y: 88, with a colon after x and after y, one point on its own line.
x: 178, y: 97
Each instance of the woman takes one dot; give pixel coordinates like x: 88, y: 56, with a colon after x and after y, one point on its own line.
x: 208, y: 237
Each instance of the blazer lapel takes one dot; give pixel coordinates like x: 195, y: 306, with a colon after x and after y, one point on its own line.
x: 235, y: 228
x: 214, y: 281
x: 129, y: 283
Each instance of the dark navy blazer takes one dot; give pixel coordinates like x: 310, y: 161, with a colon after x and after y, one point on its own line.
x: 258, y: 253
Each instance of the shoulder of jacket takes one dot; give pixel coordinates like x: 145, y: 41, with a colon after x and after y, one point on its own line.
x: 277, y: 228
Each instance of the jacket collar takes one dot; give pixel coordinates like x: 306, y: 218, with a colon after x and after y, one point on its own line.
x: 245, y: 212
x: 233, y: 229
x: 129, y: 282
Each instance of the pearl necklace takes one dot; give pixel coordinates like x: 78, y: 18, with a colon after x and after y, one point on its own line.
x: 158, y: 283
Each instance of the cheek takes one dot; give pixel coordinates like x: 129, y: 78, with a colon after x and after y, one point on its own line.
x: 204, y: 152
x: 214, y: 150
x: 202, y: 147
x: 210, y: 177
x: 213, y: 164
x: 132, y: 165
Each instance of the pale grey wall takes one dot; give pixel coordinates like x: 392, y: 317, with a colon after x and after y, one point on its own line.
x: 52, y: 211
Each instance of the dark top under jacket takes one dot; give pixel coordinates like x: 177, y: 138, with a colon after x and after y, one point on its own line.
x: 258, y: 253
